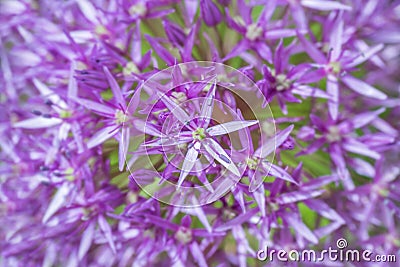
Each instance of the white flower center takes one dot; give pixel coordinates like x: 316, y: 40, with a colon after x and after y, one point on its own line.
x: 130, y: 68
x: 252, y: 163
x: 138, y: 9
x: 180, y: 97
x: 199, y: 134
x: 101, y: 30
x: 282, y: 82
x: 253, y: 32
x: 333, y: 134
x: 120, y: 117
x: 184, y: 235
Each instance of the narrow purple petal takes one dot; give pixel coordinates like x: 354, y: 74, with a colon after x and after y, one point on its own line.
x: 267, y: 12
x: 198, y: 254
x: 72, y: 84
x: 208, y: 105
x: 106, y: 229
x: 116, y: 90
x: 58, y: 201
x: 101, y: 136
x: 293, y: 197
x: 38, y: 123
x: 264, y: 51
x: 188, y: 163
x: 237, y: 50
x: 156, y: 220
x: 46, y: 92
x: 336, y: 154
x: 336, y: 39
x: 319, y: 182
x: 305, y: 90
x: 89, y: 11
x: 219, y: 154
x: 256, y: 180
x: 300, y: 227
x: 178, y: 112
x: 312, y: 50
x: 333, y: 90
x: 364, y: 56
x: 278, y: 172
x: 238, y: 220
x: 86, y: 240
x: 96, y: 107
x: 123, y: 147
x: 220, y: 190
x: 363, y: 119
x: 229, y: 127
x: 280, y: 33
x: 359, y: 148
x: 323, y: 209
x: 270, y: 145
x: 259, y: 196
x: 161, y: 51
x: 135, y: 100
x: 325, y: 5
x: 363, y: 88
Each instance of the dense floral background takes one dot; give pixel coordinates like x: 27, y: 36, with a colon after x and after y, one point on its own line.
x: 329, y: 71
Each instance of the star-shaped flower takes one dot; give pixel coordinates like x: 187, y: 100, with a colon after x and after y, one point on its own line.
x: 199, y: 135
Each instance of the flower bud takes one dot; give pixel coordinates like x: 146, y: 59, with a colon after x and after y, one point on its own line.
x: 210, y: 13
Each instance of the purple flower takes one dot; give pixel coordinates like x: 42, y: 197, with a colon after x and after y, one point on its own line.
x: 256, y: 33
x: 284, y: 80
x: 199, y: 136
x: 338, y: 63
x: 340, y: 137
x: 307, y: 158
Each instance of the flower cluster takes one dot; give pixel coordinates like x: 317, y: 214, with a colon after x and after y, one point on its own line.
x: 194, y: 133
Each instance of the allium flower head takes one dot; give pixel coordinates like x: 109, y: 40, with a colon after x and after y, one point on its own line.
x: 198, y: 132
